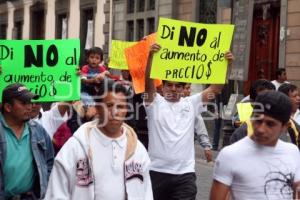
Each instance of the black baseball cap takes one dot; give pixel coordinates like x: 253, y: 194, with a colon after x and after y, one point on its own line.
x: 275, y: 104
x: 18, y: 91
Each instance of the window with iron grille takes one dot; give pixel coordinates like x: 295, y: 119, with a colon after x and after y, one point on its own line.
x: 208, y: 11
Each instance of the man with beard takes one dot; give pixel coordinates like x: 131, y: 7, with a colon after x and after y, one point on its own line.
x: 26, y: 152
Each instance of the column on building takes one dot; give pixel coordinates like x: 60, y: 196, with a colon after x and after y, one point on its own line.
x: 74, y: 20
x: 50, y: 20
x: 26, y: 23
x: 99, y: 23
x: 10, y: 25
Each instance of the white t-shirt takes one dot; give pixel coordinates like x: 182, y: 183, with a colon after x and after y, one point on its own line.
x: 277, y: 84
x: 51, y: 120
x: 259, y: 172
x: 171, y: 133
x: 108, y: 159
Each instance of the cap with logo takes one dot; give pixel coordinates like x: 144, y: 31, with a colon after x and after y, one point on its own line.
x: 18, y: 91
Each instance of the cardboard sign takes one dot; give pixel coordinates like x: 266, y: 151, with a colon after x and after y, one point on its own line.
x: 47, y: 67
x: 137, y: 56
x: 191, y: 52
x: 117, y: 59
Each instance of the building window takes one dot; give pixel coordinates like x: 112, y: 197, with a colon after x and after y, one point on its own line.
x: 208, y: 11
x: 87, y: 17
x: 141, y: 5
x: 151, y: 4
x: 140, y: 29
x: 17, y: 30
x: 130, y: 6
x: 38, y: 16
x: 151, y: 25
x: 130, y: 31
x: 3, y: 28
x: 140, y: 19
x: 62, y: 26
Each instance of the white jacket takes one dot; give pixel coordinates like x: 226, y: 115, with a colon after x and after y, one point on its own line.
x: 64, y: 182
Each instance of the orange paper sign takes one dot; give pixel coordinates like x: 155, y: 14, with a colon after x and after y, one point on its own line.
x: 137, y: 56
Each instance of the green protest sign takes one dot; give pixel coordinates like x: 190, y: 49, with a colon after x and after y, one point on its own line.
x: 117, y: 59
x: 191, y: 52
x: 47, y: 67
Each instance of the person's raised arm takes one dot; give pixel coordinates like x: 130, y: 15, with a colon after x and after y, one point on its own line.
x: 149, y: 83
x: 209, y: 93
x: 95, y: 80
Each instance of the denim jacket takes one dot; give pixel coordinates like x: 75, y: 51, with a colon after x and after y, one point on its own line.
x: 43, y: 155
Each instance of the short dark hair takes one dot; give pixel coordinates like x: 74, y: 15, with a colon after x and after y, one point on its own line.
x: 279, y: 72
x: 180, y: 83
x: 95, y: 50
x: 286, y: 88
x: 258, y: 85
x: 109, y: 85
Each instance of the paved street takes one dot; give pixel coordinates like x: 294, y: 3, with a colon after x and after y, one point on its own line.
x: 204, y: 172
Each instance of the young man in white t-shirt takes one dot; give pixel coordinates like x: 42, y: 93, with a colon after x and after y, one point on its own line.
x: 280, y: 78
x: 103, y: 160
x: 260, y: 166
x: 171, y: 125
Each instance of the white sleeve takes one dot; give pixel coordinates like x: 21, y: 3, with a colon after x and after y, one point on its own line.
x: 51, y: 120
x: 201, y: 132
x: 62, y: 175
x: 223, y: 168
x: 297, y: 159
x: 197, y: 103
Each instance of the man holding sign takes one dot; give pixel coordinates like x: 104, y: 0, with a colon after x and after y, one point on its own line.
x: 171, y: 123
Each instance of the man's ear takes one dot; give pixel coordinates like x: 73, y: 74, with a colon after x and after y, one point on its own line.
x: 7, y: 107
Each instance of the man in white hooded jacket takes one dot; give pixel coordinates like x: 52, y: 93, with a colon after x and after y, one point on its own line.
x: 103, y: 160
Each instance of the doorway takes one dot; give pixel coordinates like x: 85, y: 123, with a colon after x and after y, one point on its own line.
x: 264, y: 53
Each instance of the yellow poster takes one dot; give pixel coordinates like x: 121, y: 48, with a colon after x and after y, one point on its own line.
x: 117, y: 59
x: 191, y: 52
x: 245, y: 111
